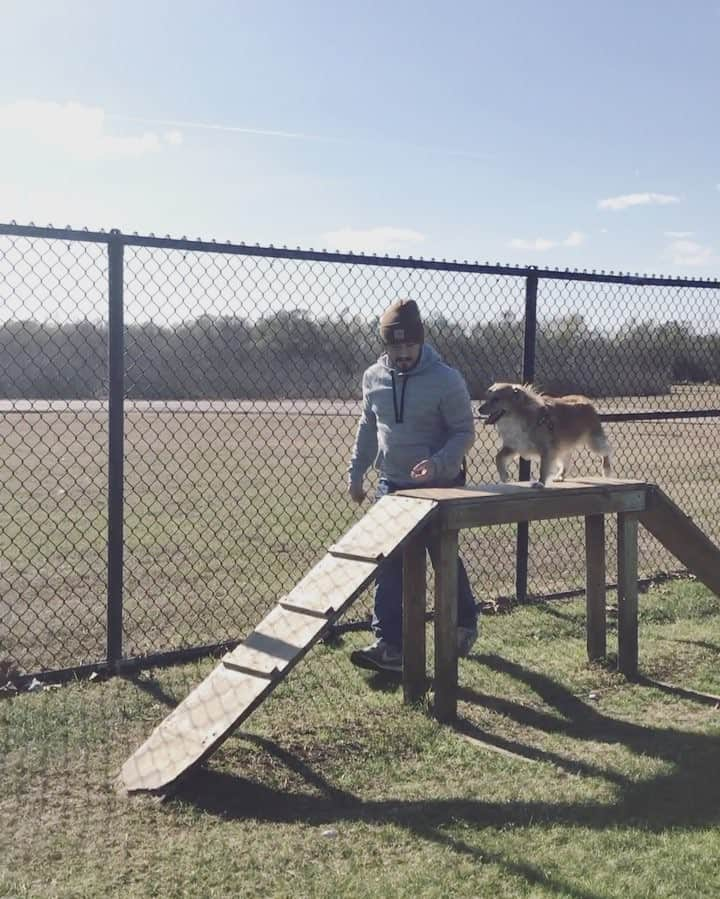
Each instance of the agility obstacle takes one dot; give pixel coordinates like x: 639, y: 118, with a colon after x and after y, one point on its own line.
x: 407, y: 522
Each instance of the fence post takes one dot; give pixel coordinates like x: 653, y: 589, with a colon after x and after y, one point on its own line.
x: 522, y: 540
x: 116, y: 397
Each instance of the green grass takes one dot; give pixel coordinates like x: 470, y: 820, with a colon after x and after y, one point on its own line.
x: 562, y: 779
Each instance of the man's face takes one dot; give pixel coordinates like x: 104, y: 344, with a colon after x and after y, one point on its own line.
x: 403, y: 356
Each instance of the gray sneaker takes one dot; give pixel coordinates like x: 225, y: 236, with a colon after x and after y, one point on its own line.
x: 466, y: 637
x: 379, y: 656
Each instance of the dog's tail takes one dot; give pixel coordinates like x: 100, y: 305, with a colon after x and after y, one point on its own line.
x: 599, y: 444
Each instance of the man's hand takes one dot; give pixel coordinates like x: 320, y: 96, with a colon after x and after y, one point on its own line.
x: 357, y: 493
x: 423, y: 471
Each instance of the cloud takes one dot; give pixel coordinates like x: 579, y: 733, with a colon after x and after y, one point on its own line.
x: 80, y: 131
x: 300, y: 135
x: 627, y: 200
x: 678, y: 235
x: 174, y: 137
x: 373, y: 240
x: 690, y: 253
x: 540, y: 244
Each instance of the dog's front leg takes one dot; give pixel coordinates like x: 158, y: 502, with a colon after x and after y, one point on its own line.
x: 547, y: 469
x: 501, y: 460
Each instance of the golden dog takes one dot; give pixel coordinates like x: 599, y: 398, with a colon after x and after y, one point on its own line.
x: 541, y: 427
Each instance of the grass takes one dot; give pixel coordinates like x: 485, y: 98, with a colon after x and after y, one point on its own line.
x: 561, y: 780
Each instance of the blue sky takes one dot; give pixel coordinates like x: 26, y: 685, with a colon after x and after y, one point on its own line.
x: 568, y: 134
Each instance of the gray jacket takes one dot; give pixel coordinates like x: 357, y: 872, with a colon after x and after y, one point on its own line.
x: 410, y: 416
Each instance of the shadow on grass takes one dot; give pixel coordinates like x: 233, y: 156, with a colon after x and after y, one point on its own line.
x: 701, y: 644
x: 232, y: 798
x: 688, y: 796
x: 556, y: 611
x: 152, y: 687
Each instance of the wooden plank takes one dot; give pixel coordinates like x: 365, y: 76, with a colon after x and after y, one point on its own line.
x: 501, y: 492
x: 414, y: 679
x: 194, y: 729
x: 247, y: 675
x: 627, y: 555
x: 390, y: 521
x: 683, y: 538
x: 275, y: 642
x: 463, y: 494
x: 330, y: 586
x: 542, y: 504
x: 596, y: 621
x: 445, y: 556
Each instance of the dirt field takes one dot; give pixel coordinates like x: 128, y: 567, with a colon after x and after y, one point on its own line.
x: 228, y: 506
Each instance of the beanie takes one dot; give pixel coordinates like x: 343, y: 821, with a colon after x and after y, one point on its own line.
x: 401, y: 323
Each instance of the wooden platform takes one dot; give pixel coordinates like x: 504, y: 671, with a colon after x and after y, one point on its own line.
x: 248, y: 674
x: 633, y: 502
x: 487, y: 504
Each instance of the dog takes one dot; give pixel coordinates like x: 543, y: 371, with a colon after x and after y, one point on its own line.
x: 535, y: 426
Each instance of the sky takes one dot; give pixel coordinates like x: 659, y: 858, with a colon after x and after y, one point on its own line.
x: 565, y: 134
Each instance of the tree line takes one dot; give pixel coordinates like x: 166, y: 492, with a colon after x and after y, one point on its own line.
x: 294, y: 355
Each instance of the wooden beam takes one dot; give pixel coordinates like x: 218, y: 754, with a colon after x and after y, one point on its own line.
x: 627, y: 530
x: 539, y: 505
x: 414, y: 678
x: 683, y: 538
x: 596, y: 622
x: 445, y: 558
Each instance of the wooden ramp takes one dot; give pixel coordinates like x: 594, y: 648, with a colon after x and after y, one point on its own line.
x: 248, y: 674
x: 682, y: 537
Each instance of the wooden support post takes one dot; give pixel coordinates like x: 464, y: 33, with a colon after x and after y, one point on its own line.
x: 627, y: 532
x: 596, y: 622
x: 414, y: 678
x: 446, y: 586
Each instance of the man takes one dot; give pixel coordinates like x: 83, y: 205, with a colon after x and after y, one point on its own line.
x: 416, y: 426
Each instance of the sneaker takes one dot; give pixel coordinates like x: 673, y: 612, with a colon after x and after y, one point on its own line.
x: 379, y: 656
x: 466, y: 637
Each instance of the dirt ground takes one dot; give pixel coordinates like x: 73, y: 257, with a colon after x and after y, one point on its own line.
x: 228, y: 506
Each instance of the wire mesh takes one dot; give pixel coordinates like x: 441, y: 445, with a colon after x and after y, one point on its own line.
x: 230, y: 500
x: 242, y: 384
x: 53, y: 502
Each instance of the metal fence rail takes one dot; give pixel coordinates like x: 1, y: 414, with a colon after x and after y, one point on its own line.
x: 177, y: 417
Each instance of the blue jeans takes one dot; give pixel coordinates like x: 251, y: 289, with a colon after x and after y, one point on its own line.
x: 387, y: 614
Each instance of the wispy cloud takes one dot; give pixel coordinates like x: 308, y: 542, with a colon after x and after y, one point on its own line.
x: 80, y: 131
x: 354, y: 141
x: 383, y: 239
x: 625, y: 201
x: 678, y: 235
x: 541, y: 244
x: 215, y: 126
x: 690, y: 253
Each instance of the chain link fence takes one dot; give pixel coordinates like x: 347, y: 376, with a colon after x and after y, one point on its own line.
x: 177, y: 417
